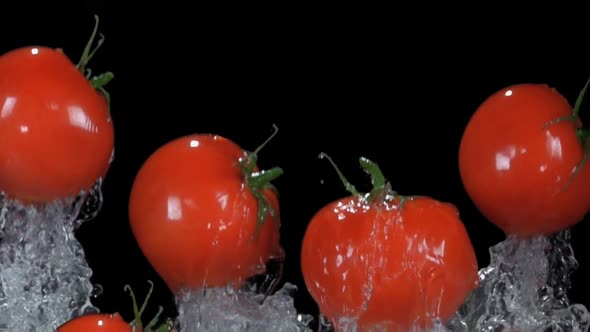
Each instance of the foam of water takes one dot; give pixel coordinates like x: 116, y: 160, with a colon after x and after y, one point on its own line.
x: 44, y: 277
x: 525, y: 289
x: 222, y: 309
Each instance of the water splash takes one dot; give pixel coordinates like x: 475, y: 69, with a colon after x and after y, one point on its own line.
x: 219, y: 309
x: 254, y: 307
x: 525, y: 289
x: 44, y: 277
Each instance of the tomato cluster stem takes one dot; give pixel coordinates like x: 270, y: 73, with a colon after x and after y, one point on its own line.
x: 260, y: 181
x: 583, y: 133
x: 380, y: 184
x: 138, y: 312
x: 98, y: 82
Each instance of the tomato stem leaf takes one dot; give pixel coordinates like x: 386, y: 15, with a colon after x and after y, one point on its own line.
x: 88, y: 51
x: 377, y: 178
x: 380, y: 185
x: 98, y: 81
x: 583, y: 134
x: 164, y: 327
x: 147, y: 298
x: 261, y: 146
x: 347, y: 185
x: 260, y: 181
x: 574, y: 117
x: 137, y: 320
x: 137, y: 311
x: 580, y: 98
x: 584, y: 137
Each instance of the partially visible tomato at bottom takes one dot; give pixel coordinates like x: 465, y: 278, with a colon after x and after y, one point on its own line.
x: 96, y: 323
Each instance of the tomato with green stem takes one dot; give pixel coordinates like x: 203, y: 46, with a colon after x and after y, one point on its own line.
x: 385, y: 261
x: 56, y: 133
x: 97, y: 322
x: 523, y: 160
x: 203, y: 214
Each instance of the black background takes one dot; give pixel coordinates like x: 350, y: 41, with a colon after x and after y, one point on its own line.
x: 393, y: 85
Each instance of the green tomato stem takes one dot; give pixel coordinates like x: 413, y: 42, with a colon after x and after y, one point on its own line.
x: 580, y: 98
x: 138, y: 312
x: 574, y: 116
x: 378, y: 180
x: 258, y: 182
x: 583, y: 134
x: 347, y: 185
x: 88, y: 51
x: 98, y: 82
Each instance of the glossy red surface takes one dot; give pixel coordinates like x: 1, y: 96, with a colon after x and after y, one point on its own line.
x: 194, y: 217
x: 96, y: 323
x: 387, y: 267
x: 516, y: 169
x: 56, y: 134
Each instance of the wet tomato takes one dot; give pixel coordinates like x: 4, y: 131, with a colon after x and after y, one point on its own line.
x: 96, y: 323
x: 382, y: 261
x: 203, y: 214
x: 521, y: 160
x: 56, y: 135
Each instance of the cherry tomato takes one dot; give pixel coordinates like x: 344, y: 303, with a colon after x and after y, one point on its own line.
x: 387, y: 262
x: 522, y: 168
x: 202, y: 213
x: 96, y: 323
x: 56, y: 134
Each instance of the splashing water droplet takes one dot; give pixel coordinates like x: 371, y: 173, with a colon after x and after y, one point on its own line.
x: 90, y: 204
x: 97, y: 291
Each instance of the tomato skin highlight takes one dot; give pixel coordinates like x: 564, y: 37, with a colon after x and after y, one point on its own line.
x: 56, y: 133
x: 96, y: 323
x: 516, y: 169
x: 391, y: 268
x: 195, y: 218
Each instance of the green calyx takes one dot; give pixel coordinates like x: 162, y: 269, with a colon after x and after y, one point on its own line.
x: 259, y: 181
x: 138, y: 312
x: 381, y: 190
x: 583, y: 133
x: 99, y: 81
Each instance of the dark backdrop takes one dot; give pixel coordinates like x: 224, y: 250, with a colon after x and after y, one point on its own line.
x: 346, y: 81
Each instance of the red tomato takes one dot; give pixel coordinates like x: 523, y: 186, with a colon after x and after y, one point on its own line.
x: 518, y: 167
x: 56, y: 134
x: 96, y: 323
x: 195, y: 212
x: 390, y: 262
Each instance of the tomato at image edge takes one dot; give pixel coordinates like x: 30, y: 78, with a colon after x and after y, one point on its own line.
x: 518, y: 164
x: 193, y: 212
x: 96, y: 323
x: 388, y: 264
x: 56, y: 131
